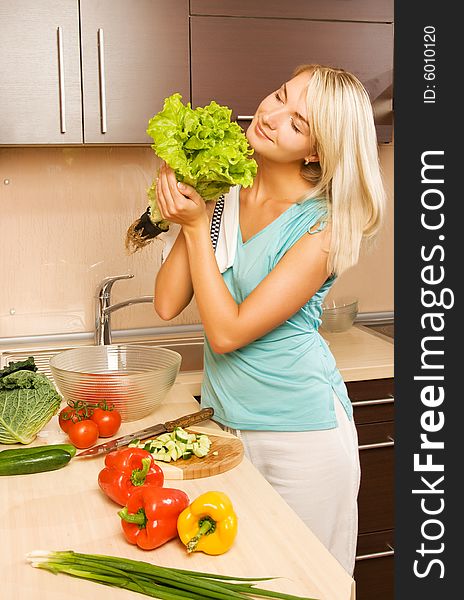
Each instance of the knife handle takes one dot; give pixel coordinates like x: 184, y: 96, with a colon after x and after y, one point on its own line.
x: 186, y: 420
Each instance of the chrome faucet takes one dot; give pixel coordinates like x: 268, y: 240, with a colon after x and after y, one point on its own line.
x: 103, y: 308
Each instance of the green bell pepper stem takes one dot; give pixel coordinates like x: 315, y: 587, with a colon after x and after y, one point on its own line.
x: 207, y: 525
x: 138, y: 475
x: 139, y: 518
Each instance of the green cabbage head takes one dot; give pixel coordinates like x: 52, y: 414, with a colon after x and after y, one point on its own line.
x: 28, y: 400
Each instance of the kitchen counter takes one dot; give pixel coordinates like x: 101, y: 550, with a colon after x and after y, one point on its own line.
x: 65, y: 509
x: 361, y: 353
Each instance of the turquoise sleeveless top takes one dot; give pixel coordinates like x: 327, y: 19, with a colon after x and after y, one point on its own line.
x: 284, y: 380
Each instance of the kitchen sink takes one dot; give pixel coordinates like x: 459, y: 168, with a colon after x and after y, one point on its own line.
x: 189, y: 347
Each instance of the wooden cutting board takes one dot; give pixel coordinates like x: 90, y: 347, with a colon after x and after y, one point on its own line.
x: 229, y: 451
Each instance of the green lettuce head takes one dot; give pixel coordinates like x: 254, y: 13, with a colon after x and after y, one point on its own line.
x: 204, y: 148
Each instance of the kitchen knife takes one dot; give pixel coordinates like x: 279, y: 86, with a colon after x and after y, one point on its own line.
x: 185, y: 421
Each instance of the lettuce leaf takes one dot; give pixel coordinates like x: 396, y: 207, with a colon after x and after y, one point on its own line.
x: 204, y: 148
x: 28, y: 401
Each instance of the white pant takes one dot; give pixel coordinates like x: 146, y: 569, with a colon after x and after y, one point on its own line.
x: 318, y: 474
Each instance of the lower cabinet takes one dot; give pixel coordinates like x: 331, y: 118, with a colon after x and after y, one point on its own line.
x: 373, y: 404
x: 374, y: 571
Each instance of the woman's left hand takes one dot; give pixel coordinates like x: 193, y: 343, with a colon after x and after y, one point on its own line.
x: 179, y: 203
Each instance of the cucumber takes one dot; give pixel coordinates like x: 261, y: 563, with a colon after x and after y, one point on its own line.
x: 34, y: 449
x: 34, y: 462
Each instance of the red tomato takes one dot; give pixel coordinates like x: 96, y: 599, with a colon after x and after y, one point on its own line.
x: 83, y: 434
x: 108, y: 421
x: 67, y: 417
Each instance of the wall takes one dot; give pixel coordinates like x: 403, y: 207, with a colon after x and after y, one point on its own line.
x: 64, y: 213
x: 371, y: 280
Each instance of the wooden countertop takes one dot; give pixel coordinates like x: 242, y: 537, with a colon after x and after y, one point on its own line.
x: 65, y: 509
x: 361, y: 353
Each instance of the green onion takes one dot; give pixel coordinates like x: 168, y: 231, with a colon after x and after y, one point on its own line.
x: 165, y: 583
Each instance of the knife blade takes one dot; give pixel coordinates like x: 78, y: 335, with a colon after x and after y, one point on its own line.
x: 154, y: 430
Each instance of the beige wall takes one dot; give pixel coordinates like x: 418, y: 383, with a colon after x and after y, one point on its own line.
x: 64, y: 213
x: 371, y: 280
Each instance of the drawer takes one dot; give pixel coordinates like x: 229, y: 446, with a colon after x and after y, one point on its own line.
x: 373, y: 401
x: 376, y: 435
x: 374, y: 567
x: 370, y: 389
x: 374, y: 411
x: 376, y: 493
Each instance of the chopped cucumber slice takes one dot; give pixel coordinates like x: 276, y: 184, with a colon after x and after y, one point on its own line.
x: 181, y: 435
x: 200, y: 452
x: 175, y: 445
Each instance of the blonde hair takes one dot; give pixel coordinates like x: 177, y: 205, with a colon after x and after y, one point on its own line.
x: 347, y: 173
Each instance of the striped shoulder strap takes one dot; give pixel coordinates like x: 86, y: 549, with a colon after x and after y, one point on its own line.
x: 216, y: 221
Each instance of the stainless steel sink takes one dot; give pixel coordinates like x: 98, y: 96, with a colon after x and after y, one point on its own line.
x: 189, y: 347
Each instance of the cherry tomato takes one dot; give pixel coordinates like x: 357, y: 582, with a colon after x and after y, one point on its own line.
x: 83, y: 434
x: 108, y: 421
x: 67, y: 417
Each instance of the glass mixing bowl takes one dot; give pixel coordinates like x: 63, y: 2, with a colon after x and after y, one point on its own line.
x: 135, y: 379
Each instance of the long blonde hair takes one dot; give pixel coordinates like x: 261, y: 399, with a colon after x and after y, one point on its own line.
x: 347, y: 173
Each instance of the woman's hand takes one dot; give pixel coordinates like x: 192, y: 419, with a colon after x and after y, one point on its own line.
x: 179, y: 203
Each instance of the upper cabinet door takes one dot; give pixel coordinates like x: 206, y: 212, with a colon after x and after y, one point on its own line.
x: 341, y: 10
x: 239, y: 61
x: 134, y: 54
x: 40, y: 85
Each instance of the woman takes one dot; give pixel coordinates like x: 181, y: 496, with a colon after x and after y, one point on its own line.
x: 269, y: 375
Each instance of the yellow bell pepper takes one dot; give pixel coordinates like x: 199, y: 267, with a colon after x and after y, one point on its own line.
x: 208, y: 524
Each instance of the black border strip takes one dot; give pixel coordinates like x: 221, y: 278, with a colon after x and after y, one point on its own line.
x: 428, y: 230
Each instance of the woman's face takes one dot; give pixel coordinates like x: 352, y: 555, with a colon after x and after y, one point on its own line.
x: 279, y: 130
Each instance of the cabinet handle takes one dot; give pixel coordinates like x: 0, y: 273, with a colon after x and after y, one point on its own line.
x: 245, y: 117
x: 390, y: 400
x: 390, y: 552
x: 101, y: 71
x: 59, y: 33
x: 391, y: 442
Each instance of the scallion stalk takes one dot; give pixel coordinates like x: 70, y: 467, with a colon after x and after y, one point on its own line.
x: 151, y: 580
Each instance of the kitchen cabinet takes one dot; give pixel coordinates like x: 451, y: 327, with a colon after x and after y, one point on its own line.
x: 373, y: 404
x: 134, y: 54
x: 89, y: 72
x: 254, y: 51
x: 355, y: 10
x: 40, y: 78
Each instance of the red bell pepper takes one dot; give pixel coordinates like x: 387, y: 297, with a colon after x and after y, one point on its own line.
x: 126, y: 470
x: 150, y: 517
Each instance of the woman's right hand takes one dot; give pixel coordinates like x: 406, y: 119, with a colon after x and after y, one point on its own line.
x: 179, y: 203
